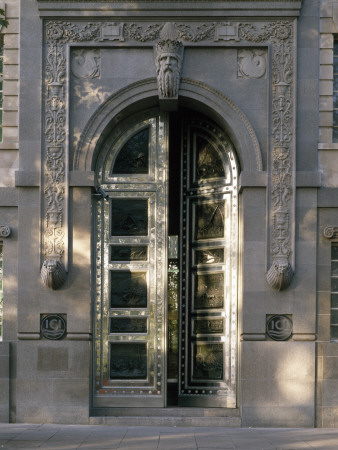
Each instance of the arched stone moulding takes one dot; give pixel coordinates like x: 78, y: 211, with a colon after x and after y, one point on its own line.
x: 279, y: 36
x: 145, y: 92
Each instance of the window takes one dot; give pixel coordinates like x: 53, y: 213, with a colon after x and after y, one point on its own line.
x: 1, y: 82
x: 334, y: 291
x: 335, y: 92
x: 1, y: 296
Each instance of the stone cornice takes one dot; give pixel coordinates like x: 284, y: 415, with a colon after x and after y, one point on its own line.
x: 172, y: 1
x: 174, y: 8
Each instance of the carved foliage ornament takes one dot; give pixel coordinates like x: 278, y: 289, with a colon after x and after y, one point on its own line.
x: 169, y: 39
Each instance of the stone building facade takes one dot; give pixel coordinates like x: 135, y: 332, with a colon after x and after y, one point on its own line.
x: 169, y: 222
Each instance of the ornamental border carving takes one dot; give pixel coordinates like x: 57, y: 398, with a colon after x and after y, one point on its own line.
x: 279, y: 35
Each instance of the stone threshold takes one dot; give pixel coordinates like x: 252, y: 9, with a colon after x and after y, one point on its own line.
x: 178, y: 417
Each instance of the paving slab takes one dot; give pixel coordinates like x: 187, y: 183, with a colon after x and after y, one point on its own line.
x: 96, y: 437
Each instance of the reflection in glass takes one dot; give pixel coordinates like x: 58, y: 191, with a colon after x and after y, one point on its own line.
x: 334, y: 284
x: 209, y: 220
x: 334, y: 269
x: 128, y: 289
x: 334, y: 332
x: 129, y: 217
x: 208, y: 163
x: 208, y: 326
x: 209, y: 291
x: 334, y: 301
x: 128, y: 325
x: 335, y: 64
x: 208, y: 361
x: 128, y: 361
x: 335, y: 117
x: 128, y: 253
x: 335, y: 84
x: 173, y: 304
x: 210, y: 256
x: 335, y: 135
x: 334, y: 291
x: 334, y: 316
x: 133, y: 158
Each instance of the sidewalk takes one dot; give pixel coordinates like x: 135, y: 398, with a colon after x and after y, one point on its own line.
x: 64, y: 437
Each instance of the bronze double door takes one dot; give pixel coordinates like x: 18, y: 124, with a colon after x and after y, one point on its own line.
x: 165, y: 315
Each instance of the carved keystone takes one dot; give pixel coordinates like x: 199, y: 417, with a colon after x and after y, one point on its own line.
x: 169, y: 57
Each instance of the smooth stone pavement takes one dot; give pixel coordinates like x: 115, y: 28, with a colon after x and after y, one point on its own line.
x: 27, y: 436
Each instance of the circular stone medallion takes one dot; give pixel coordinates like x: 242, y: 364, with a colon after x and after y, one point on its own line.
x: 53, y: 326
x: 279, y: 327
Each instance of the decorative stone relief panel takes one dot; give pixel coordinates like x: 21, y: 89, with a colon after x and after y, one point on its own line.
x: 252, y: 63
x: 86, y: 63
x: 278, y: 35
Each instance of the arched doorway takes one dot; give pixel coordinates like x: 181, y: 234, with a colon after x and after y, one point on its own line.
x: 166, y: 264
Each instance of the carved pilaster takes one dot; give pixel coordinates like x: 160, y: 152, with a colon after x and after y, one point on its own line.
x: 282, y: 155
x: 55, y: 187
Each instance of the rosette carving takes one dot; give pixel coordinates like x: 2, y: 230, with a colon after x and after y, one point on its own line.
x: 5, y: 231
x: 330, y: 232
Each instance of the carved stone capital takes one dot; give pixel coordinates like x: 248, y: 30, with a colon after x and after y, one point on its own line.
x: 330, y: 232
x: 5, y: 231
x: 53, y: 273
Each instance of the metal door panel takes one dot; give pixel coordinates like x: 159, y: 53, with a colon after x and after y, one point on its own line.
x: 130, y: 271
x: 208, y: 337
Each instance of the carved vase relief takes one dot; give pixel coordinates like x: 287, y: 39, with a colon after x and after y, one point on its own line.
x: 168, y: 40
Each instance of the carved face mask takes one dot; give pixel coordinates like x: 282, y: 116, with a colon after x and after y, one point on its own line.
x: 168, y: 73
